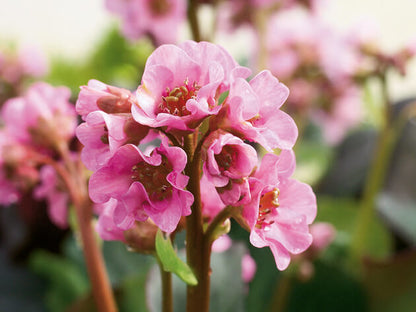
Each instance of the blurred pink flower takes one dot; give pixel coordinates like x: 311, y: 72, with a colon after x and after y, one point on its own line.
x: 52, y: 189
x: 323, y: 234
x: 160, y: 19
x: 248, y: 268
x: 42, y: 117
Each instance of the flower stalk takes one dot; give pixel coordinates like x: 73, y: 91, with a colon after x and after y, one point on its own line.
x: 376, y: 176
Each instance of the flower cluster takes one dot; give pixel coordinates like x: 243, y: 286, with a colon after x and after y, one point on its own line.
x: 38, y: 128
x: 17, y: 67
x: 195, y: 116
x: 159, y: 19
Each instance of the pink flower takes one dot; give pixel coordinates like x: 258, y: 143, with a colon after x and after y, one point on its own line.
x: 248, y: 268
x: 148, y: 186
x: 323, y: 234
x: 32, y: 61
x: 42, y: 117
x: 99, y: 96
x: 210, y: 199
x: 228, y: 162
x: 252, y: 111
x: 57, y: 197
x: 105, y: 226
x: 18, y: 169
x: 221, y: 244
x: 181, y: 85
x: 160, y: 19
x: 281, y: 209
x: 102, y: 133
x: 345, y: 113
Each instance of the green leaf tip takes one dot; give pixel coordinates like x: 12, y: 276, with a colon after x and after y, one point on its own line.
x: 171, y: 262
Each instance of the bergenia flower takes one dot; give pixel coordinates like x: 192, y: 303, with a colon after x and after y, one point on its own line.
x: 105, y: 226
x: 100, y: 96
x: 148, y: 186
x: 51, y: 188
x: 227, y: 163
x: 102, y: 134
x: 42, y: 117
x: 181, y: 85
x: 210, y: 199
x: 281, y: 209
x: 161, y: 19
x: 252, y: 111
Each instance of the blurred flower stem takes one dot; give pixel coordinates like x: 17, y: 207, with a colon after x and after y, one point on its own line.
x: 73, y: 178
x: 167, y: 297
x: 376, y: 175
x: 193, y: 20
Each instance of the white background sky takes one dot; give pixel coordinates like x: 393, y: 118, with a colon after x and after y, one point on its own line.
x: 72, y: 27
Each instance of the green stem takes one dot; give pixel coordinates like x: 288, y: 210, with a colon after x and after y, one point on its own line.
x: 198, y: 251
x: 281, y: 293
x: 375, y: 179
x: 218, y: 221
x: 193, y: 19
x: 167, y: 297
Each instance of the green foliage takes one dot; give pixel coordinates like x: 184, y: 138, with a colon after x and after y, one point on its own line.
x: 171, y: 262
x: 391, y: 284
x: 114, y: 61
x: 66, y: 282
x: 342, y: 213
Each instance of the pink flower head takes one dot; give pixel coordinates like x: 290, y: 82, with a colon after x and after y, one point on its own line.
x: 252, y: 111
x: 160, y: 19
x: 18, y: 169
x: 43, y: 116
x: 210, y: 199
x: 281, y: 209
x: 106, y: 227
x: 228, y: 162
x: 32, y: 61
x: 99, y: 96
x: 248, y: 268
x: 57, y: 197
x: 323, y: 234
x: 181, y: 85
x: 148, y: 186
x: 102, y: 133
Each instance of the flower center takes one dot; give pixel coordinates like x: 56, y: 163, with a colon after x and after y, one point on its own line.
x: 268, y: 203
x: 153, y: 178
x: 174, y: 101
x: 159, y: 7
x: 226, y: 158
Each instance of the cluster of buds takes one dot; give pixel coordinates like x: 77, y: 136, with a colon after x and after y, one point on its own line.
x: 184, y: 141
x: 17, y: 67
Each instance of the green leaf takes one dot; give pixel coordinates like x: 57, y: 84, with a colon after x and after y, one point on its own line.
x: 67, y: 282
x: 171, y: 262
